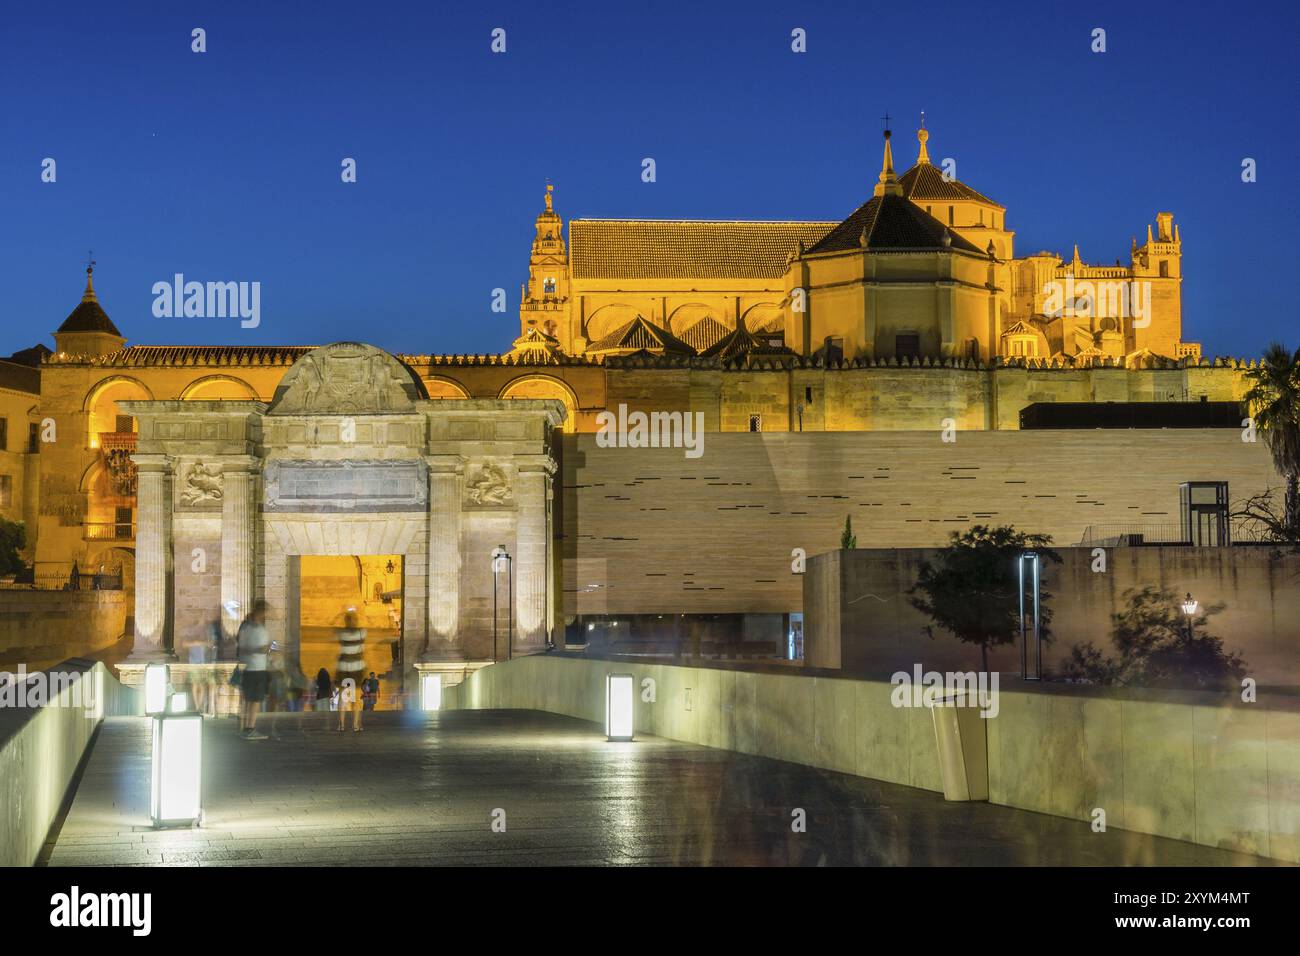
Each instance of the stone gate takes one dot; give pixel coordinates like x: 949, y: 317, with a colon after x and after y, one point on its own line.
x: 350, y: 458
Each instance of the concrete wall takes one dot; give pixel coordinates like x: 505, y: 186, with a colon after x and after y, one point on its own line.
x: 40, y: 628
x: 647, y: 530
x: 40, y: 749
x: 1191, y: 767
x: 857, y: 615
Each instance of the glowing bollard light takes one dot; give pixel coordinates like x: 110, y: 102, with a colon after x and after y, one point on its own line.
x: 619, y: 696
x: 431, y: 692
x: 176, y: 795
x: 179, y: 702
x: 156, y: 679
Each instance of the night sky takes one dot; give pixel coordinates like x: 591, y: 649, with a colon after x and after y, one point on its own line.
x: 225, y: 165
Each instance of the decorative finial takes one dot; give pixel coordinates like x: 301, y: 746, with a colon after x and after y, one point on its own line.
x: 89, y: 294
x: 923, y: 156
x: 888, y: 182
x: 549, y: 189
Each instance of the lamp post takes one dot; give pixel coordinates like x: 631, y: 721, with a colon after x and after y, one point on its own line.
x: 1028, y: 568
x: 501, y: 561
x: 176, y: 791
x: 619, y: 695
x: 1189, y: 609
x: 431, y: 691
x: 157, y: 678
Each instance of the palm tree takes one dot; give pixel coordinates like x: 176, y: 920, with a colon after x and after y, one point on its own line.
x: 1274, y: 400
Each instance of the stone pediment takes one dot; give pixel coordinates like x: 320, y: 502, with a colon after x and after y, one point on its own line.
x: 346, y: 378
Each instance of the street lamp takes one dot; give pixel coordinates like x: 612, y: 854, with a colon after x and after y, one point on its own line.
x: 1189, y: 608
x: 157, y: 677
x: 430, y: 691
x: 619, y: 695
x: 176, y: 792
x: 501, y: 561
x: 1029, y: 570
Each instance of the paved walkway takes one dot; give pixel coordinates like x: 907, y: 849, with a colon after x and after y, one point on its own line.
x: 414, y: 790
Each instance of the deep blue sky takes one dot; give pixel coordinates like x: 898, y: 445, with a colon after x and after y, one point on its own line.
x: 225, y: 165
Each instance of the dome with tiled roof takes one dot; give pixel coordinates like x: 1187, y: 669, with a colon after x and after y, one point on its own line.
x: 890, y: 222
x: 89, y: 316
x: 924, y: 181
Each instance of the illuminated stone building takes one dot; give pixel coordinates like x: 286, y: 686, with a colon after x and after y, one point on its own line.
x: 837, y: 352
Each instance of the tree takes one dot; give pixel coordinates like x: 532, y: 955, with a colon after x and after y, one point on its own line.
x: 971, y: 589
x: 1274, y: 402
x: 848, y: 540
x: 1258, y: 516
x: 1158, y: 647
x: 13, y: 538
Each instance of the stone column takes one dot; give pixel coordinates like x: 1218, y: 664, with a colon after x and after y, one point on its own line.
x: 532, y: 537
x: 153, y: 557
x: 445, y: 473
x: 238, y: 536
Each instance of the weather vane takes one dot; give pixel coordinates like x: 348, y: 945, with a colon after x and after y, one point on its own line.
x: 90, y: 260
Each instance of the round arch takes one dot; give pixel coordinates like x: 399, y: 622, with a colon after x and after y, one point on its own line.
x: 103, y: 385
x: 439, y: 386
x: 686, y: 316
x: 100, y: 405
x: 764, y: 316
x: 609, y: 318
x: 545, y: 386
x: 223, y: 383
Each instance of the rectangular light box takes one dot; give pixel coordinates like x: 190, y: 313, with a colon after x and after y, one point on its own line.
x: 620, y: 691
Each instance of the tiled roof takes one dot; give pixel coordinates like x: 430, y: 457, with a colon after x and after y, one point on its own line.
x: 20, y: 378
x: 89, y: 316
x: 891, y: 223
x: 685, y: 249
x: 640, y: 334
x: 704, y: 333
x: 743, y: 342
x: 182, y: 355
x: 925, y: 181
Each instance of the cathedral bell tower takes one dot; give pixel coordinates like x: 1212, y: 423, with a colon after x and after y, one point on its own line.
x: 544, y: 304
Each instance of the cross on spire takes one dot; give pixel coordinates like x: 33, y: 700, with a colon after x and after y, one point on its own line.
x: 886, y: 119
x: 90, y: 261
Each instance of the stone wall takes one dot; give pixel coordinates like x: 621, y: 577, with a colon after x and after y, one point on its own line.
x: 857, y: 615
x: 1192, y: 767
x: 39, y: 628
x: 41, y: 748
x: 648, y: 530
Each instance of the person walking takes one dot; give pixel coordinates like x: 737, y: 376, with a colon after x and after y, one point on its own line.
x: 324, y: 690
x: 351, y: 667
x: 254, y: 643
x: 370, y: 692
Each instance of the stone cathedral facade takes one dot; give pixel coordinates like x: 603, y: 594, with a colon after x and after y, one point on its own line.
x: 925, y: 269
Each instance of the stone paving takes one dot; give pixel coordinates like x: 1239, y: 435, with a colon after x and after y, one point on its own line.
x: 421, y: 790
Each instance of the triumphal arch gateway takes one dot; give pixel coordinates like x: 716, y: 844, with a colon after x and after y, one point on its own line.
x: 350, y: 457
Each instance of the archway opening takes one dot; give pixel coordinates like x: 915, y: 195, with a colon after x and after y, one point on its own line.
x: 330, y: 588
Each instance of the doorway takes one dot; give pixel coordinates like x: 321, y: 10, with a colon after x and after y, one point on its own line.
x: 371, y: 586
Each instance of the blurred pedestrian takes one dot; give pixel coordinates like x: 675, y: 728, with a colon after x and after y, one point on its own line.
x: 351, y: 668
x: 324, y: 690
x: 254, y: 643
x: 370, y: 692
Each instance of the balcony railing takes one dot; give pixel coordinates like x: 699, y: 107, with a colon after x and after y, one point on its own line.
x: 117, y: 441
x: 1138, y: 533
x: 109, y: 531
